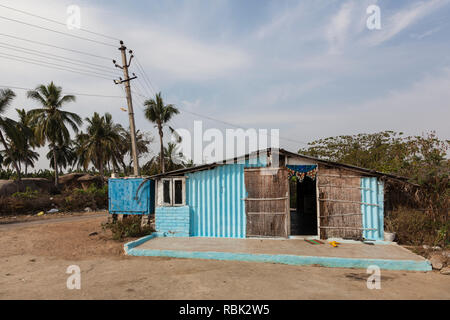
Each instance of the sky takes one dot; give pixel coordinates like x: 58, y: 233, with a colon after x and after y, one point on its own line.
x: 311, y: 69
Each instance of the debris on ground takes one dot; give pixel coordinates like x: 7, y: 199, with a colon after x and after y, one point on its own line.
x: 437, y: 261
x: 93, y: 234
x: 40, y: 213
x: 446, y: 271
x: 334, y: 243
x: 54, y: 210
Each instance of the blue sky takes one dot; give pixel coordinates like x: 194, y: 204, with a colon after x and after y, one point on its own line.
x: 309, y: 68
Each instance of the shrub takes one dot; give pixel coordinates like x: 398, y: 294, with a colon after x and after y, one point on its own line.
x: 93, y: 197
x: 128, y: 227
x: 416, y: 227
x: 28, y: 194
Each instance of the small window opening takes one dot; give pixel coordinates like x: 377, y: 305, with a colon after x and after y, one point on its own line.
x: 166, y: 191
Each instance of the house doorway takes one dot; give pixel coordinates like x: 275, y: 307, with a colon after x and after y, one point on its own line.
x: 303, y: 204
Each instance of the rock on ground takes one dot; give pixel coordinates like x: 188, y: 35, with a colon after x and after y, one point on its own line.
x: 437, y: 261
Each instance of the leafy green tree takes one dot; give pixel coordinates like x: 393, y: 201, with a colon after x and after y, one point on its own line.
x: 50, y: 122
x: 8, y: 128
x: 100, y: 143
x: 160, y: 114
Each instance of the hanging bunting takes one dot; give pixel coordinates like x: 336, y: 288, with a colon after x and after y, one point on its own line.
x: 302, y: 171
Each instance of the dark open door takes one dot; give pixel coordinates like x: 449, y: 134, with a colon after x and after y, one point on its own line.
x: 267, y: 202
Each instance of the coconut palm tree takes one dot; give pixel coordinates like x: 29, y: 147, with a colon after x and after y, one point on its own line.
x: 143, y: 140
x: 160, y: 114
x: 8, y: 128
x: 65, y: 156
x: 26, y: 155
x: 50, y: 121
x: 100, y: 143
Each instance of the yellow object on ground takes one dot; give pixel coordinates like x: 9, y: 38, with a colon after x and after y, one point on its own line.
x: 334, y: 243
x: 40, y: 213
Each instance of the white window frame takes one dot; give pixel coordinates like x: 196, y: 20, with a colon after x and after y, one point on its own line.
x: 172, y: 192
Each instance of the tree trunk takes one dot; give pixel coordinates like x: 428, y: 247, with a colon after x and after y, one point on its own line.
x: 161, y: 153
x: 124, y: 166
x: 19, y: 177
x: 102, y: 174
x: 55, y: 166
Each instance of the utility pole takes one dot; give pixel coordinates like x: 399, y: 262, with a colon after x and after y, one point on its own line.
x: 124, y: 67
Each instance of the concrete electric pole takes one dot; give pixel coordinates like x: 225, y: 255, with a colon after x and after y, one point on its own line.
x: 124, y: 67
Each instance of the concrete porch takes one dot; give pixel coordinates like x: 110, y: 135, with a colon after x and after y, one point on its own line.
x: 285, y: 251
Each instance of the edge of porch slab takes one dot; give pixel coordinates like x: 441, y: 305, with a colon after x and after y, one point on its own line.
x: 333, y: 262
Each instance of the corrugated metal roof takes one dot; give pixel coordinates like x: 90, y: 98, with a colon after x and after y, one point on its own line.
x: 285, y: 153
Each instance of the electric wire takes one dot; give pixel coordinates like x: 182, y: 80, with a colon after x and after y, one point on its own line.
x: 57, y: 47
x: 58, y: 22
x: 111, y: 72
x: 56, y: 31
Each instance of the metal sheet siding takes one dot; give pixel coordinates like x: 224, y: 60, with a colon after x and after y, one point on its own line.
x: 121, y: 194
x: 215, y: 198
x: 372, y: 208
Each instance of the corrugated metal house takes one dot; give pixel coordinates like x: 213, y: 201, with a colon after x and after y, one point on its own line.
x: 247, y: 197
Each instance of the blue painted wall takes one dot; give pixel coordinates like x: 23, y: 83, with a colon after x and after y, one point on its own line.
x: 215, y: 198
x: 122, y: 193
x: 172, y: 221
x: 372, y: 209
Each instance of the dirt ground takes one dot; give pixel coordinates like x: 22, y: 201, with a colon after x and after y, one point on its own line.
x: 34, y: 259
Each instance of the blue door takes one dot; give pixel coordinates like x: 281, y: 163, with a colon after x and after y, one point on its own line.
x: 372, y: 208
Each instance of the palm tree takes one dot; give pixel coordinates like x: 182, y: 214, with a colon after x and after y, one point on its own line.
x: 100, y: 142
x: 143, y: 140
x: 160, y: 114
x: 50, y: 121
x: 8, y: 127
x: 26, y: 155
x: 65, y: 156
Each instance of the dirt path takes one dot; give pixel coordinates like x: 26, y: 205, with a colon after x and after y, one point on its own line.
x: 34, y: 260
x: 50, y: 220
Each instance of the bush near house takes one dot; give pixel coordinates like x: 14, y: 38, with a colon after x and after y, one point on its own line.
x: 31, y: 201
x: 128, y: 227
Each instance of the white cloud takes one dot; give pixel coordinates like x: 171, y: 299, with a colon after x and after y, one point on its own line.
x: 337, y: 31
x: 396, y: 23
x: 422, y: 106
x: 187, y: 58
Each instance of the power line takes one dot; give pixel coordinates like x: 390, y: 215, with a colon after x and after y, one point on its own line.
x: 53, y: 46
x: 146, y: 78
x: 57, y: 56
x: 57, y: 65
x: 112, y: 74
x: 49, y: 65
x: 56, y: 31
x: 233, y: 125
x: 73, y: 93
x: 59, y: 22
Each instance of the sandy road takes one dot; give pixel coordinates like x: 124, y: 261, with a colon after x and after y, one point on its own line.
x: 34, y: 259
x: 20, y: 224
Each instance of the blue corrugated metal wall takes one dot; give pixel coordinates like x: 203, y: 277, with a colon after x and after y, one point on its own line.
x: 372, y: 208
x: 122, y: 192
x: 215, y: 198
